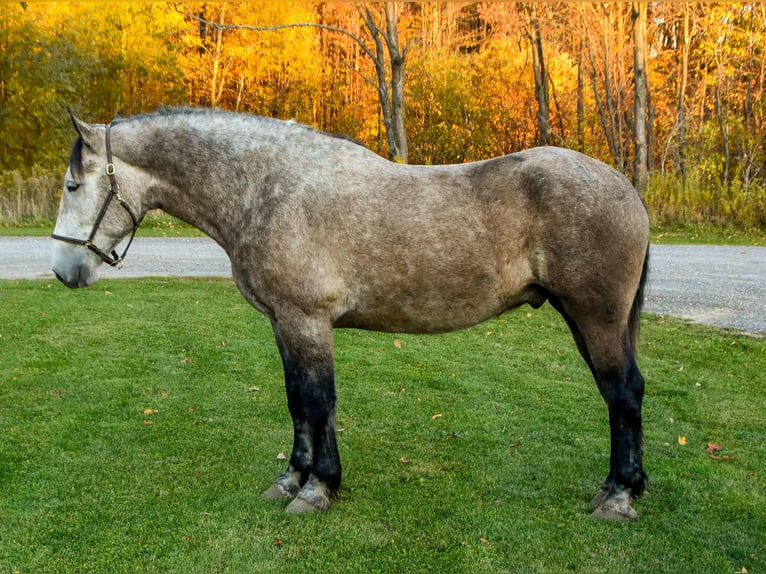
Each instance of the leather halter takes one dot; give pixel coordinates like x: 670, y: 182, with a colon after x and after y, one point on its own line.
x: 113, y: 259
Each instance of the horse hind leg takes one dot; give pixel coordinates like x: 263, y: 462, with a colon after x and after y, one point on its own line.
x: 606, y: 347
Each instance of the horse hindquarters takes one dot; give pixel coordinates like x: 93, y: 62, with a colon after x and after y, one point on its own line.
x: 313, y: 474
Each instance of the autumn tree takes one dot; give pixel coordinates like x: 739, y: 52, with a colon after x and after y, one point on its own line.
x: 641, y: 165
x: 533, y: 31
x: 386, y: 52
x: 429, y: 82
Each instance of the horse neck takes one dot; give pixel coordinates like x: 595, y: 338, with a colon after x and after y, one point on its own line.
x: 201, y: 180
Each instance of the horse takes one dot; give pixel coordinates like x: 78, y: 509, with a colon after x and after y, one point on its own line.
x: 323, y: 233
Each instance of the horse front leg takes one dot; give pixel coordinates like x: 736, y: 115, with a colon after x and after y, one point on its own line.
x: 623, y: 392
x: 313, y: 474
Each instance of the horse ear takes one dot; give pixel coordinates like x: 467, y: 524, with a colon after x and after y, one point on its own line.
x: 85, y: 130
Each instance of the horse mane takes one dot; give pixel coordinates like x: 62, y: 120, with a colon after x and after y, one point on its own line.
x: 170, y: 114
x: 187, y: 111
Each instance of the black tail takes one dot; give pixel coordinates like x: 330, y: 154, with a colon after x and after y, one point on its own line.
x: 634, y: 323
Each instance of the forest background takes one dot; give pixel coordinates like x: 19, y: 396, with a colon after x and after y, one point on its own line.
x: 671, y: 94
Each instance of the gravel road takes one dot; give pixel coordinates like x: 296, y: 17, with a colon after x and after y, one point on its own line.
x: 716, y: 285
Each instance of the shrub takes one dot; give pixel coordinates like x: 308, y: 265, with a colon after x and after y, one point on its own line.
x: 32, y: 198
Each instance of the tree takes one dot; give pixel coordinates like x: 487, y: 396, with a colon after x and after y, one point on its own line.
x: 388, y: 57
x: 641, y: 168
x: 390, y: 92
x: 534, y: 34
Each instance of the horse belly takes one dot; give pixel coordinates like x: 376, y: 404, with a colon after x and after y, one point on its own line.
x: 435, y: 307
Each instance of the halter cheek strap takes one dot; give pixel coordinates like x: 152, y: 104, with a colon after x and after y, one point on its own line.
x: 113, y: 259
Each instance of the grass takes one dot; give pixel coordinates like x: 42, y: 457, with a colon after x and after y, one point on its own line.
x: 708, y: 234
x: 141, y: 420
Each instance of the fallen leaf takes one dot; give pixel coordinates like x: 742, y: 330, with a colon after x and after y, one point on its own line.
x: 437, y: 416
x: 743, y: 571
x: 489, y: 333
x: 165, y: 395
x: 278, y: 542
x: 404, y: 460
x: 107, y: 292
x: 150, y: 411
x: 148, y: 423
x: 397, y: 343
x: 681, y: 440
x: 712, y: 447
x: 281, y: 456
x: 484, y: 541
x: 725, y: 458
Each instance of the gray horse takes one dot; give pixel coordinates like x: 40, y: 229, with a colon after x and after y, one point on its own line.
x: 324, y: 233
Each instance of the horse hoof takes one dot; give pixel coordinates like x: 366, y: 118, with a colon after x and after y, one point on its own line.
x: 301, y: 506
x: 313, y: 497
x: 599, y: 499
x: 614, y: 505
x: 608, y: 512
x: 276, y: 492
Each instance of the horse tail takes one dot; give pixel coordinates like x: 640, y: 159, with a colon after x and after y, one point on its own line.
x: 634, y: 321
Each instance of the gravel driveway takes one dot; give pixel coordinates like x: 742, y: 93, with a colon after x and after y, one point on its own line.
x: 716, y: 285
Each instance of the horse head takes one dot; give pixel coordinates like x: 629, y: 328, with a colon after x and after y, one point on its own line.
x: 100, y: 205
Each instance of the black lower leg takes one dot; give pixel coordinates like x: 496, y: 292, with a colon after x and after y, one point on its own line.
x: 624, y: 398
x: 318, y: 398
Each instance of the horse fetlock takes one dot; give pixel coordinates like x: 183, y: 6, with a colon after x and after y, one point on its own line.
x: 315, y: 496
x: 632, y: 477
x: 613, y: 503
x: 638, y: 482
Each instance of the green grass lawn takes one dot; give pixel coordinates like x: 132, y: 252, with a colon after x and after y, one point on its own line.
x: 140, y: 421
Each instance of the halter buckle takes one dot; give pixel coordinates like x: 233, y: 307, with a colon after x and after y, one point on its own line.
x: 110, y: 169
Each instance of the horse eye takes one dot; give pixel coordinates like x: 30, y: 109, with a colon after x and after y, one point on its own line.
x: 72, y: 186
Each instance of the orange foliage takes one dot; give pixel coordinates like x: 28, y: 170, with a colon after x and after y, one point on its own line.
x: 469, y: 84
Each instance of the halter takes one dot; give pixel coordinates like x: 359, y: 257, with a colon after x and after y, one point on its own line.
x: 113, y: 259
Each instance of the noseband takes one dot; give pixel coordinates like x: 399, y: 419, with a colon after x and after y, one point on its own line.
x: 113, y: 259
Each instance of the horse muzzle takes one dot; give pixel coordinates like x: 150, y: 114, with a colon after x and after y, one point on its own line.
x: 74, y: 269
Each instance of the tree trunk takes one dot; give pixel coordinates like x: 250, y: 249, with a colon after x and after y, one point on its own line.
x: 392, y: 98
x: 640, y: 174
x: 580, y: 100
x: 214, y: 92
x: 397, y: 132
x: 535, y: 37
x: 682, y: 96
